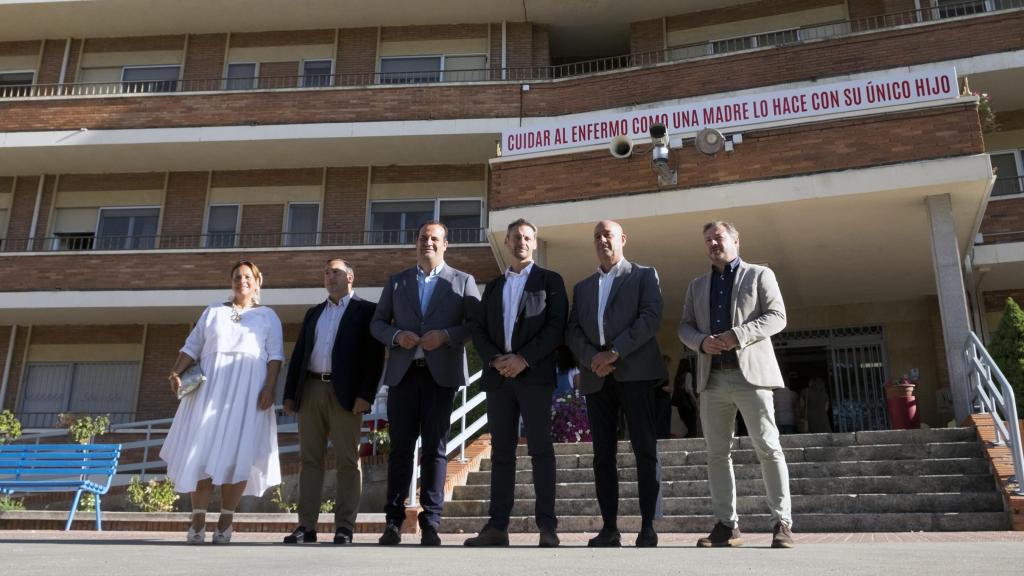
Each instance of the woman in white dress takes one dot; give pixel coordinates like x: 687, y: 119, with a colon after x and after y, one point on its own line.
x: 224, y: 433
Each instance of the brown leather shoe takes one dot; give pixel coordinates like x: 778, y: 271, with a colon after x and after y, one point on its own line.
x: 721, y: 536
x: 782, y: 536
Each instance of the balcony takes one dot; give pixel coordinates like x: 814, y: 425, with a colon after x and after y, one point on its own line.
x: 69, y: 243
x: 1008, y: 186
x: 682, y: 53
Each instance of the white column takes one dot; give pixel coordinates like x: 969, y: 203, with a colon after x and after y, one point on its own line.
x: 952, y: 299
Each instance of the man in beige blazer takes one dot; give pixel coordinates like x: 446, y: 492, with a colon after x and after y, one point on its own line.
x: 729, y: 317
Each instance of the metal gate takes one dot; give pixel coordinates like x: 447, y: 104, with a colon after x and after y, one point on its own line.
x: 857, y: 365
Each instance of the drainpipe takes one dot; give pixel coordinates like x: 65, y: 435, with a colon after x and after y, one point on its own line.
x: 7, y: 365
x: 35, y: 214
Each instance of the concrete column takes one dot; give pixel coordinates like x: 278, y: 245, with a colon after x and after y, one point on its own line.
x: 952, y: 299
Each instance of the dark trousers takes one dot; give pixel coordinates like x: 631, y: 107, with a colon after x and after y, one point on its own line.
x: 504, y: 406
x: 418, y: 406
x: 636, y: 400
x: 663, y: 409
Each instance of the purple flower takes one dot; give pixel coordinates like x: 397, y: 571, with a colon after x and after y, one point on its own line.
x: 569, y: 422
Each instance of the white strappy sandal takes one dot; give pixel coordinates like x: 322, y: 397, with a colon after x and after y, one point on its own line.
x: 225, y: 536
x: 196, y: 536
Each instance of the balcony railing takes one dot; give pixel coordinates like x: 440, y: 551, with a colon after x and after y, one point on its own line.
x: 526, y: 74
x: 90, y: 242
x: 1008, y: 186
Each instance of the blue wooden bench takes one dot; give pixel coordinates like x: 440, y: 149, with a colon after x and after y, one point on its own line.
x: 74, y: 468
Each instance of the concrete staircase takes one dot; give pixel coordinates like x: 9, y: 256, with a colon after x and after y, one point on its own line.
x: 884, y: 481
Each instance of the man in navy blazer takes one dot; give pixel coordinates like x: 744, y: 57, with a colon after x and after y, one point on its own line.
x: 332, y: 380
x: 520, y: 327
x: 615, y: 317
x: 423, y: 317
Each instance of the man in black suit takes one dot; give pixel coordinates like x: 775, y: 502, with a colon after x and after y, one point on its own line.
x: 615, y: 317
x: 521, y: 324
x: 332, y: 380
x: 424, y: 318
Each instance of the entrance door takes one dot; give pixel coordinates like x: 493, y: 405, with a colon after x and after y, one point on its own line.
x: 852, y: 363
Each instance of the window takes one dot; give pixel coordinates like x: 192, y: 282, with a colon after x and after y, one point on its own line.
x: 136, y: 79
x: 316, y: 73
x: 127, y: 229
x: 222, y: 226
x: 15, y: 84
x: 954, y: 8
x: 396, y: 222
x: 82, y: 388
x: 1009, y: 169
x: 732, y: 45
x: 417, y: 69
x: 303, y: 223
x: 242, y: 76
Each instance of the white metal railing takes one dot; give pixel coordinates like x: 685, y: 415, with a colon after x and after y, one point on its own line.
x: 154, y: 433
x: 991, y: 393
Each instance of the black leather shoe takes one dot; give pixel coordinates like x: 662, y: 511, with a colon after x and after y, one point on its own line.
x: 606, y: 538
x: 342, y: 536
x: 428, y: 536
x: 391, y: 536
x: 548, y: 539
x: 300, y: 536
x: 647, y: 538
x: 489, y: 536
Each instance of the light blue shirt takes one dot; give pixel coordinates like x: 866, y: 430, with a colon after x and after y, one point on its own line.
x: 604, y: 290
x: 326, y: 332
x: 426, y: 284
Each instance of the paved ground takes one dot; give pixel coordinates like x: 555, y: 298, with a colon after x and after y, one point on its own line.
x: 83, y: 553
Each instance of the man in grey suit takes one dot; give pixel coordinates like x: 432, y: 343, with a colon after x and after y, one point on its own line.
x: 423, y: 318
x: 729, y: 317
x: 615, y: 316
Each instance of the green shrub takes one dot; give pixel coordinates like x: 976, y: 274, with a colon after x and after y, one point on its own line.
x: 87, y: 503
x: 83, y: 429
x: 152, y: 496
x: 277, y: 498
x: 1007, y: 349
x: 8, y: 504
x: 10, y: 427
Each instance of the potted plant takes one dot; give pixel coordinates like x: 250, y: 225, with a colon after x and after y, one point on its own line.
x: 569, y: 422
x: 901, y: 402
x: 83, y: 429
x: 904, y: 386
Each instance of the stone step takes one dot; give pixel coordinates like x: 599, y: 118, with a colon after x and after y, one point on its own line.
x: 871, y: 437
x: 972, y: 449
x: 948, y: 483
x: 802, y: 504
x: 802, y: 522
x: 796, y: 470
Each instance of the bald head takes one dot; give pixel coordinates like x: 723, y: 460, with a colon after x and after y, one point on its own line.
x: 609, y: 240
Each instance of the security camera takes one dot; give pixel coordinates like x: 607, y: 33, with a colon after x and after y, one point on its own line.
x: 660, y: 154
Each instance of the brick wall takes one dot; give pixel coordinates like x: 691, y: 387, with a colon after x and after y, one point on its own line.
x: 282, y: 38
x: 1010, y: 120
x: 541, y: 46
x: 209, y: 270
x: 162, y: 344
x: 1003, y: 221
x: 646, y: 36
x: 345, y: 200
x: 742, y: 12
x: 289, y: 177
x: 519, y: 44
x: 864, y: 8
x: 428, y: 173
x: 279, y: 74
x: 995, y: 301
x: 78, y: 334
x: 433, y: 32
x: 882, y: 50
x: 494, y: 59
x: 357, y: 51
x: 53, y: 57
x: 20, y: 48
x: 261, y: 225
x: 74, y: 56
x: 112, y: 182
x: 19, y: 219
x: 185, y: 206
x: 45, y: 207
x: 823, y: 147
x: 135, y: 43
x: 204, y: 59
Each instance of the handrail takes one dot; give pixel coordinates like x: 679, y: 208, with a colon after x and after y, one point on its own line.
x: 230, y: 241
x: 677, y: 53
x: 991, y: 393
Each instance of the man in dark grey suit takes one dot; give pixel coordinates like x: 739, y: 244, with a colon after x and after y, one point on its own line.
x: 520, y: 327
x: 615, y: 316
x: 423, y: 317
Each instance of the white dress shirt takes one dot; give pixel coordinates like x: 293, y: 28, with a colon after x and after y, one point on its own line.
x: 604, y: 288
x: 326, y: 332
x: 511, y: 295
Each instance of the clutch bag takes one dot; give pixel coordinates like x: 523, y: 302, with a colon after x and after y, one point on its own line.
x: 191, y: 380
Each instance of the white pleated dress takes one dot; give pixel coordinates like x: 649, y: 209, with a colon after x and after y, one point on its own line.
x: 218, y: 432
